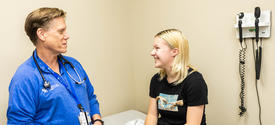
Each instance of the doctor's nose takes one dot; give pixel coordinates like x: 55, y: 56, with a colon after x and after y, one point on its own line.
x: 66, y: 36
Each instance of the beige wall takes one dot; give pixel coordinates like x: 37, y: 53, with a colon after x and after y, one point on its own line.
x: 208, y: 24
x: 99, y: 39
x: 113, y: 39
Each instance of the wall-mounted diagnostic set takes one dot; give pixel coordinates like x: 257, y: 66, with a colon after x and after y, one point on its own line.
x: 255, y: 26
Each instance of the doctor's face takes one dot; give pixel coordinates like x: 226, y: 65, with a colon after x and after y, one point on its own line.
x: 56, y: 36
x: 162, y: 54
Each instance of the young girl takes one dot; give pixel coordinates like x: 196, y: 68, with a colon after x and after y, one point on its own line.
x: 178, y: 93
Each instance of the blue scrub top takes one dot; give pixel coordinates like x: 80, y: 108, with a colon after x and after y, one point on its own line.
x: 31, y: 103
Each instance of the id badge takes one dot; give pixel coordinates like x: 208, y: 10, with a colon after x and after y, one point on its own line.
x: 82, y: 118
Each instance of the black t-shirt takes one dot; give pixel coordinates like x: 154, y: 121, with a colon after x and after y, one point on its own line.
x: 192, y: 91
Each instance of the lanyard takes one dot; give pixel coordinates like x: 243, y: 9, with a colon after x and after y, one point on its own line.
x: 62, y: 81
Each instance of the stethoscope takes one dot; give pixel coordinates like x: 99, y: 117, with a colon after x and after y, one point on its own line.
x: 46, y: 84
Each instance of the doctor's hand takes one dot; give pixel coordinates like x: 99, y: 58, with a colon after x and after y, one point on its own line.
x: 97, y: 123
x: 97, y: 120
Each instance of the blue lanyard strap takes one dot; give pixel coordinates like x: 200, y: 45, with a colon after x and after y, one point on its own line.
x: 63, y: 82
x: 73, y: 93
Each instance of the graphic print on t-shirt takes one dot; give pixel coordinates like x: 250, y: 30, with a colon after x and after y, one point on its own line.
x: 167, y: 102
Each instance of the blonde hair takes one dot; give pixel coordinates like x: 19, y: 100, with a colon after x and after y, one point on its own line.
x: 40, y: 18
x: 180, y: 65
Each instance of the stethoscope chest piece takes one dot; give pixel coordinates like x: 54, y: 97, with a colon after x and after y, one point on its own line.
x: 46, y: 85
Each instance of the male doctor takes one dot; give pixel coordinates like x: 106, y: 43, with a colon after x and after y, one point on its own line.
x: 50, y: 88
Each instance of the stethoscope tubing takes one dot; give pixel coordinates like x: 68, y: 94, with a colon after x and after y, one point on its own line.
x: 46, y: 84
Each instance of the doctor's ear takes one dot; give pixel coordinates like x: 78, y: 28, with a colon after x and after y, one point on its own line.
x: 41, y: 34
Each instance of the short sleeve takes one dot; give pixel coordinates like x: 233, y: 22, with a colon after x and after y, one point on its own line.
x: 153, y: 86
x: 196, y: 90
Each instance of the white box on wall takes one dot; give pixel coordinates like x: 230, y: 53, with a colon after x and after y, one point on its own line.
x: 248, y: 25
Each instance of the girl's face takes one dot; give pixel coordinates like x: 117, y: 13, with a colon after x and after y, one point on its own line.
x: 163, y: 54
